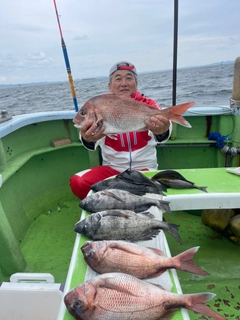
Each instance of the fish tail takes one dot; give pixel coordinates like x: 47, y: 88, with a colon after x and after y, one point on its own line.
x: 174, y: 113
x: 184, y: 262
x: 198, y: 301
x: 172, y: 229
x: 164, y: 205
x: 204, y: 189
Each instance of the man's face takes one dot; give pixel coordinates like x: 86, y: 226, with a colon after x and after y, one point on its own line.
x: 123, y: 82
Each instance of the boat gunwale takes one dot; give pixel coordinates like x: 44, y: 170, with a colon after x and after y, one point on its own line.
x: 23, y: 120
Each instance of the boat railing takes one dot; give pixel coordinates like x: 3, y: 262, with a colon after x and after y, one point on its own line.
x: 16, y: 122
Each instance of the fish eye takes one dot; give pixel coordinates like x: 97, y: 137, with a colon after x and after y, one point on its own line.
x: 82, y: 112
x: 90, y: 254
x: 85, y: 228
x: 77, y: 305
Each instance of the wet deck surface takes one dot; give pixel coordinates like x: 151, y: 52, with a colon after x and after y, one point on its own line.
x: 216, y: 255
x: 47, y: 247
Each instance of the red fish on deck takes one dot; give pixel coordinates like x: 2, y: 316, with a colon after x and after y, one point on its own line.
x: 140, y: 262
x: 119, y: 296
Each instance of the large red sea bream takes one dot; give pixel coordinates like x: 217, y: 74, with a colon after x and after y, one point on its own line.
x: 120, y: 114
x: 119, y: 296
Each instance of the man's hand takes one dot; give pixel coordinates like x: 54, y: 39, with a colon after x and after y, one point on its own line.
x: 90, y: 132
x: 158, y: 124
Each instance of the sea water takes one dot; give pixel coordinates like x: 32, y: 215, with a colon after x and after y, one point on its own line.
x: 207, y: 86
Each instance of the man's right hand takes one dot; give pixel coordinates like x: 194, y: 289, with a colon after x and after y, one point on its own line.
x: 90, y: 131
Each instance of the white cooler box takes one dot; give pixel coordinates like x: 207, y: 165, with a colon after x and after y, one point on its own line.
x: 30, y: 296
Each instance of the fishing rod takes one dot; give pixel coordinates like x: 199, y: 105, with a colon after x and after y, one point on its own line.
x: 65, y: 54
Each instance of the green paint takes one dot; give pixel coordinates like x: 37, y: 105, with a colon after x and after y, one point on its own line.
x: 11, y: 257
x: 48, y: 244
x: 41, y: 184
x: 36, y: 179
x: 216, y: 255
x: 215, y: 179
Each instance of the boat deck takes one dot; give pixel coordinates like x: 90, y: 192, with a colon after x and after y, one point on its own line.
x: 217, y: 255
x: 223, y: 189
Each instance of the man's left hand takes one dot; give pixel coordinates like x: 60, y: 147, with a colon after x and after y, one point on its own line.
x: 158, y: 124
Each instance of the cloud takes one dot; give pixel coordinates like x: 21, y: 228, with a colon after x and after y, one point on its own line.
x: 80, y: 37
x: 39, y: 58
x: 100, y: 32
x: 9, y: 62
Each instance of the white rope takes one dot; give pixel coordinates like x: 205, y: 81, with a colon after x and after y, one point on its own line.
x: 234, y: 102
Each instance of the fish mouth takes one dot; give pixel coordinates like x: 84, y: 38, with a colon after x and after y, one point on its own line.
x: 77, y: 126
x: 77, y: 222
x: 78, y: 227
x: 85, y: 246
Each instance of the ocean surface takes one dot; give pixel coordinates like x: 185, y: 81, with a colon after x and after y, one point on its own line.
x: 207, y: 86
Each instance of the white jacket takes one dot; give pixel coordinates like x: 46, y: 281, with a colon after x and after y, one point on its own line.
x: 131, y: 150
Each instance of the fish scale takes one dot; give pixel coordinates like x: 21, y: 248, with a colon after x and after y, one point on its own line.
x: 130, y: 180
x: 119, y: 114
x: 120, y: 296
x: 130, y: 258
x: 121, y: 199
x: 125, y: 225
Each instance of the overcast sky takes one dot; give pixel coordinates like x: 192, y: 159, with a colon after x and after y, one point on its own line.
x: 99, y: 33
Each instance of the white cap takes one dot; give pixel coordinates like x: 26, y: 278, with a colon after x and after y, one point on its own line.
x: 123, y: 65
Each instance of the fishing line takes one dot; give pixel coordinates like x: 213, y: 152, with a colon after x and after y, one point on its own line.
x: 65, y: 54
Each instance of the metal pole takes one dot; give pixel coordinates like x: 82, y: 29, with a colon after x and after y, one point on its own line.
x: 175, y: 46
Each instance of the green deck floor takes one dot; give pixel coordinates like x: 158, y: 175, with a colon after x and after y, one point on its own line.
x: 48, y: 245
x: 217, y: 255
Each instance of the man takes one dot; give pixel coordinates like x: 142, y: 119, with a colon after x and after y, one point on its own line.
x: 134, y: 150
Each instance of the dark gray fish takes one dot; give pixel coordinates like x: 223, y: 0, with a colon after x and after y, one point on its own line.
x: 136, y: 177
x: 131, y: 181
x: 174, y: 179
x: 124, y: 225
x: 168, y: 174
x: 121, y: 199
x: 121, y: 184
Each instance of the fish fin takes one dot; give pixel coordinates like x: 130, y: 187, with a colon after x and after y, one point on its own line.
x: 99, y: 119
x: 198, y: 301
x: 156, y: 251
x: 110, y: 194
x: 117, y: 213
x: 204, y: 189
x: 184, y: 262
x: 172, y: 229
x: 126, y: 247
x: 146, y: 214
x: 174, y: 113
x: 144, y: 236
x: 164, y: 205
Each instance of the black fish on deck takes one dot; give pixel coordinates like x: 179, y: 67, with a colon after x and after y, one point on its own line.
x: 121, y: 199
x: 132, y: 181
x: 124, y: 225
x: 173, y: 179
